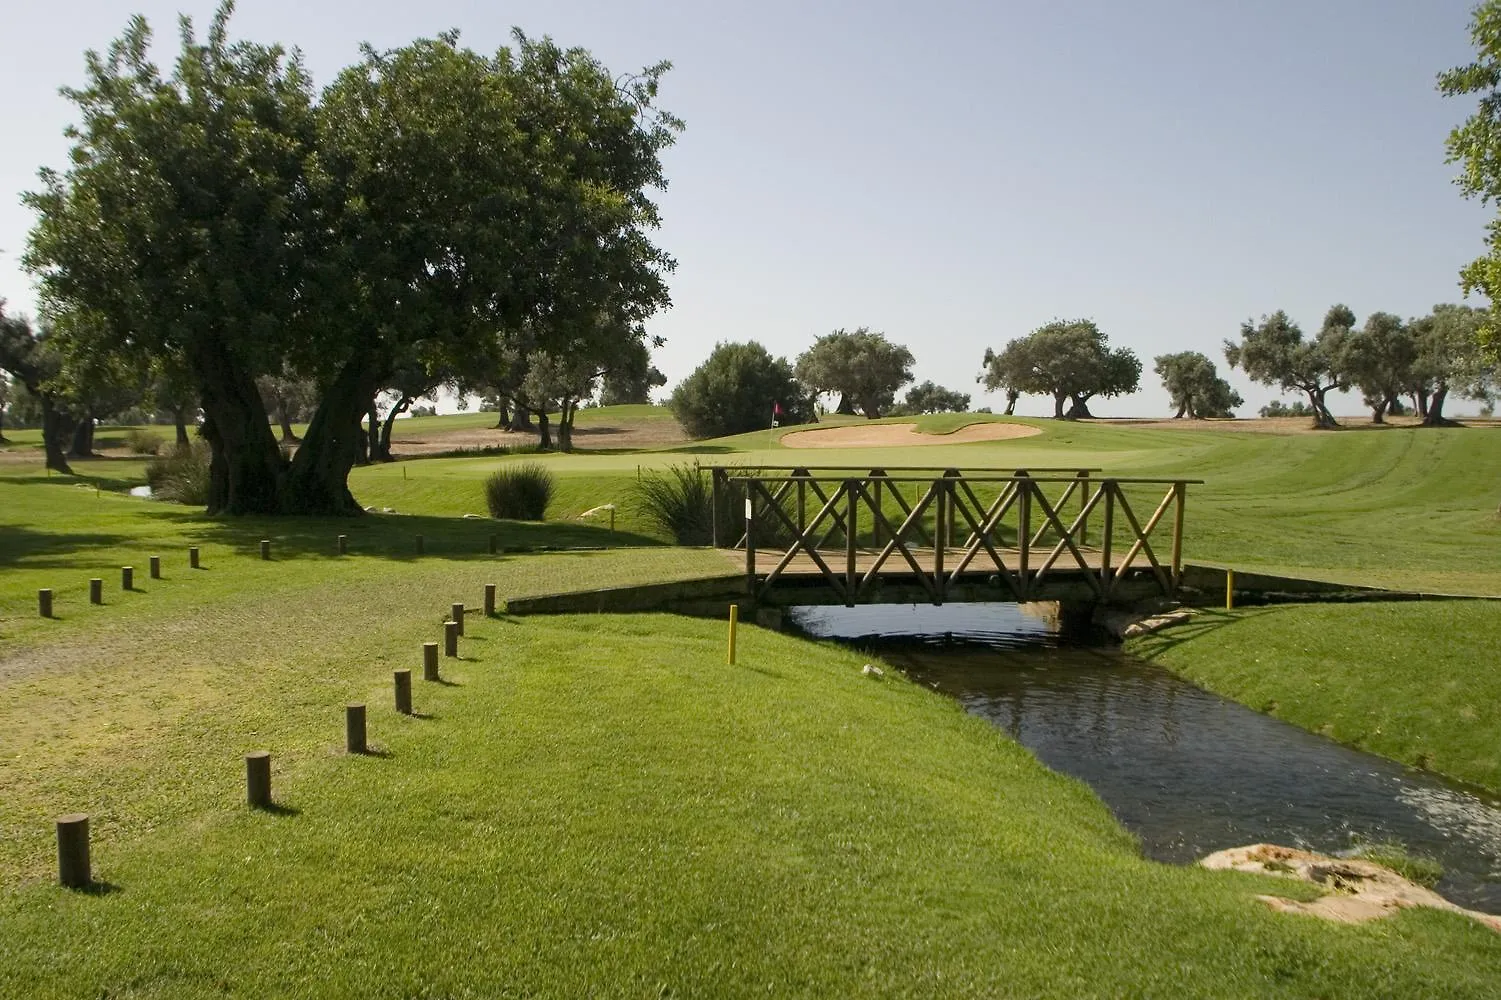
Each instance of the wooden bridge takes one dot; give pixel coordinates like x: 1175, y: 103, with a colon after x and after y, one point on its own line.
x: 833, y: 535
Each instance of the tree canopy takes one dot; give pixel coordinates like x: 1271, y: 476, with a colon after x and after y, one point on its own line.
x: 1275, y: 352
x: 432, y: 202
x: 1070, y: 360
x: 1194, y: 386
x: 1476, y: 146
x: 861, y: 365
x: 736, y: 390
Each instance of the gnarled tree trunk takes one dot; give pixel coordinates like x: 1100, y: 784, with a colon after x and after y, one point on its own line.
x: 247, y: 467
x: 1435, y: 415
x: 54, y: 429
x: 83, y: 438
x: 180, y: 423
x: 384, y: 451
x: 544, y: 431
x: 317, y: 481
x: 1011, y: 398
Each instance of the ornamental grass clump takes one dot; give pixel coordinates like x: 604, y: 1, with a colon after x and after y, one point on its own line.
x: 181, y: 476
x: 519, y: 492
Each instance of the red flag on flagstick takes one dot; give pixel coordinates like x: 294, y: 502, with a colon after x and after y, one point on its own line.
x: 776, y: 411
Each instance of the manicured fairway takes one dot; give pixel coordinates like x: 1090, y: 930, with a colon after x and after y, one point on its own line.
x: 600, y: 805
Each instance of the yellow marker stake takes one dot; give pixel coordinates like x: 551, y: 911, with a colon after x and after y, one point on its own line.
x: 734, y: 620
x: 1229, y: 590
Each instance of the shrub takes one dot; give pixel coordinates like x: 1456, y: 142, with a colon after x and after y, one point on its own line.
x: 519, y: 492
x: 679, y: 501
x: 181, y: 476
x: 735, y: 390
x: 143, y: 442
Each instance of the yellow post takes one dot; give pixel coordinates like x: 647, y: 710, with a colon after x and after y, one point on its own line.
x: 734, y: 620
x: 1229, y: 590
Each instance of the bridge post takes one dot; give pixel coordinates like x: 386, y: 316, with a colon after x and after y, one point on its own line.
x: 851, y: 571
x: 1180, y: 494
x: 750, y: 537
x: 875, y: 522
x: 1024, y: 535
x: 715, y: 499
x: 942, y: 501
x: 1084, y: 507
x: 1106, y: 571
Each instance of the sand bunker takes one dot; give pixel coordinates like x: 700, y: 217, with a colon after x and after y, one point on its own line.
x: 896, y: 435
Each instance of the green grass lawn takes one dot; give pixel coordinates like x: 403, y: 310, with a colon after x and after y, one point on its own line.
x: 1415, y: 682
x: 600, y: 805
x: 595, y: 805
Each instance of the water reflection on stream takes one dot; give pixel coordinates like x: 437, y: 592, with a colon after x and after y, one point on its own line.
x: 1187, y: 771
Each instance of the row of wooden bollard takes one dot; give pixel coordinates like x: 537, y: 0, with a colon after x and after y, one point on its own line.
x: 73, y: 863
x: 44, y: 595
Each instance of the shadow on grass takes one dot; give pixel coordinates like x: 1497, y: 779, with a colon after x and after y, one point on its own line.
x: 278, y: 809
x: 443, y: 682
x: 36, y: 548
x: 393, y: 536
x: 99, y: 889
x: 1202, y: 624
x: 377, y: 752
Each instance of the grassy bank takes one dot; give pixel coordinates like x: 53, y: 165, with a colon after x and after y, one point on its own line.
x: 600, y: 805
x: 1413, y: 682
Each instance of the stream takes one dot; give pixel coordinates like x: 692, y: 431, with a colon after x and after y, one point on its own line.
x: 1187, y: 771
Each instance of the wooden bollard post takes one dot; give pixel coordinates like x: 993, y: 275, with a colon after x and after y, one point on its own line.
x: 343, y: 545
x: 494, y: 544
x: 421, y: 545
x: 489, y: 600
x: 734, y: 621
x: 44, y: 602
x: 265, y: 548
x: 1229, y: 590
x: 403, y: 680
x: 127, y: 578
x: 456, y: 615
x: 96, y: 591
x: 73, y: 851
x: 258, y: 779
x: 156, y: 567
x: 450, y: 638
x: 354, y: 728
x: 193, y: 557
x: 429, y: 661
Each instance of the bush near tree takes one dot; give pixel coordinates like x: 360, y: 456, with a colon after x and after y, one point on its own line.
x: 929, y: 397
x: 734, y: 391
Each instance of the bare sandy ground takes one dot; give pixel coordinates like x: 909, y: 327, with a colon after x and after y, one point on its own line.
x: 895, y: 435
x: 643, y: 434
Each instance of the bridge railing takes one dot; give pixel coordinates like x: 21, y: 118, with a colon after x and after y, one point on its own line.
x: 1018, y: 529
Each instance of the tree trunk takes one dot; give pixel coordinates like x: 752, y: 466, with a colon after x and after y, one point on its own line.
x: 1079, y: 407
x: 3, y: 438
x: 368, y: 448
x: 544, y: 432
x: 246, y: 471
x: 1322, y: 419
x: 384, y: 451
x: 83, y: 438
x: 1420, y: 403
x: 285, y: 419
x: 565, y: 425
x: 871, y: 408
x: 1059, y: 398
x: 180, y: 422
x: 53, y: 432
x: 503, y: 422
x: 846, y: 405
x: 1182, y: 409
x: 1011, y: 398
x: 522, y: 419
x: 1435, y: 415
x: 1378, y: 413
x: 318, y: 480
